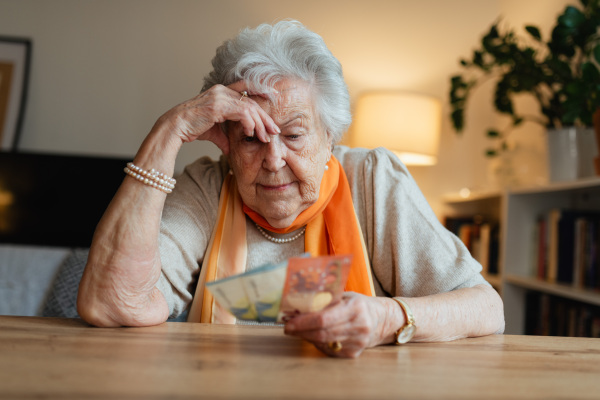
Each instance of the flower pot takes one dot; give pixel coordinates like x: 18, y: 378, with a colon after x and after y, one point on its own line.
x: 571, y: 153
x: 519, y: 165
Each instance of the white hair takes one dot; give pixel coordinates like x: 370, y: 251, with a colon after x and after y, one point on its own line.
x: 287, y: 49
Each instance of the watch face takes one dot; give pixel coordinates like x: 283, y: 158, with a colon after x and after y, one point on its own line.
x: 406, y: 334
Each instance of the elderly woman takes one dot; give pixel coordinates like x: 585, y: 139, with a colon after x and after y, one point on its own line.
x: 275, y: 104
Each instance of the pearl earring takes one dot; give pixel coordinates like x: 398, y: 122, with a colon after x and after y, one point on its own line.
x: 326, y: 167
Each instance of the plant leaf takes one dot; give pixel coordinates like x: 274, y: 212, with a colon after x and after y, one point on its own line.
x: 571, y: 17
x: 534, y: 32
x: 590, y: 73
x: 492, y: 133
x: 458, y: 119
x: 597, y: 53
x: 570, y: 116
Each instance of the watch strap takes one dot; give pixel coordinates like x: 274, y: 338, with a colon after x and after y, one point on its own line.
x: 408, y: 315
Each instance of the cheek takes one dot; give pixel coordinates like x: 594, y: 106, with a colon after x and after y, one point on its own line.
x: 244, y: 166
x: 315, y: 152
x: 313, y: 164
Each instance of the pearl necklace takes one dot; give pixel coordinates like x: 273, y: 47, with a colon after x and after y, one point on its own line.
x: 280, y: 241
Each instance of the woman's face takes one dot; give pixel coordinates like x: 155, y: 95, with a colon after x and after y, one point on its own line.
x: 282, y: 178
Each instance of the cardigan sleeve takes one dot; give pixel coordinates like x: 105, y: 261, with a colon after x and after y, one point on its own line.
x: 412, y: 254
x: 187, y: 222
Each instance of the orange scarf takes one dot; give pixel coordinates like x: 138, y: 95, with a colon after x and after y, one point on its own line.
x: 331, y: 228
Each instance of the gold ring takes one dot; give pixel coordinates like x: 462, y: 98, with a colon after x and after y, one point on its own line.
x: 335, y: 346
x: 244, y: 94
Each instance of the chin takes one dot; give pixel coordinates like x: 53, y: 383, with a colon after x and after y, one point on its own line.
x: 280, y: 222
x: 282, y: 219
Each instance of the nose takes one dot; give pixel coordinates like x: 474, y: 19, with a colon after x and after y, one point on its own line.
x: 274, y: 154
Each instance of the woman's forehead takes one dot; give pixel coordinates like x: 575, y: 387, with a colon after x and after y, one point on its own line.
x: 293, y: 99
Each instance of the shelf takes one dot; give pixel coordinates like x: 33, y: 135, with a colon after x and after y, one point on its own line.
x: 583, y: 183
x: 469, y: 196
x: 558, y: 289
x: 517, y: 211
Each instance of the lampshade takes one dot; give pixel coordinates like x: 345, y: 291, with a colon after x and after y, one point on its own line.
x: 406, y: 123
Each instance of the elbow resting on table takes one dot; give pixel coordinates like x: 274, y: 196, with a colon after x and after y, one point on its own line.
x: 496, y: 308
x: 94, y: 313
x: 99, y: 314
x: 116, y: 310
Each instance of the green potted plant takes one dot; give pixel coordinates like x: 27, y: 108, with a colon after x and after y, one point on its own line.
x: 562, y: 74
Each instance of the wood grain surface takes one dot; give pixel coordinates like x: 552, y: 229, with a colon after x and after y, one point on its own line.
x: 51, y: 358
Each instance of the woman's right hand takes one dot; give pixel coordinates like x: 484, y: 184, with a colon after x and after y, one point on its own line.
x: 200, y: 118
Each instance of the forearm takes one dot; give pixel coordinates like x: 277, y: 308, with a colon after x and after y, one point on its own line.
x: 467, y: 312
x: 118, y: 285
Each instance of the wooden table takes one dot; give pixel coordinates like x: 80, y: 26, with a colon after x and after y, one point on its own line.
x: 66, y: 359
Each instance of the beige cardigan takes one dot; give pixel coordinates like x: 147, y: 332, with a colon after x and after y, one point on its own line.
x: 411, y: 253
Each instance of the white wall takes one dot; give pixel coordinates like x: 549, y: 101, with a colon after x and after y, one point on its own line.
x: 103, y: 71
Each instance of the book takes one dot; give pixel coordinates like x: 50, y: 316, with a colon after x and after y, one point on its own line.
x: 480, y: 237
x: 550, y: 315
x: 483, y: 253
x: 592, y: 275
x: 552, y: 246
x: 494, y: 249
x: 580, y: 252
x: 571, y: 242
x: 541, y: 260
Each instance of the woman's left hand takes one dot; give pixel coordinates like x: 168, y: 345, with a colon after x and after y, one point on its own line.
x: 357, y: 322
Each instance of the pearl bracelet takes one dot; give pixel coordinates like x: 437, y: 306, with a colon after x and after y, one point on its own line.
x: 153, y: 178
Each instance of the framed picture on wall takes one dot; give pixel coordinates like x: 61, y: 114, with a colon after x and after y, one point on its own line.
x: 15, y: 56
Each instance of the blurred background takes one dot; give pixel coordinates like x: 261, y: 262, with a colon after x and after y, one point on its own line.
x: 103, y: 71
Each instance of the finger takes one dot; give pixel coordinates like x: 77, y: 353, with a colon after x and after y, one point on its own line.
x: 266, y: 122
x: 348, y: 350
x: 263, y: 123
x: 242, y: 85
x: 259, y: 127
x: 256, y: 122
x: 341, y: 332
x: 248, y: 122
x: 239, y: 86
x: 324, y: 319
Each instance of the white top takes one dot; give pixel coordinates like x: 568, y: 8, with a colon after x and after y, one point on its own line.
x: 411, y: 252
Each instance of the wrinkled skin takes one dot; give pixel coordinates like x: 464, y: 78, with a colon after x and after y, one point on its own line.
x: 281, y: 178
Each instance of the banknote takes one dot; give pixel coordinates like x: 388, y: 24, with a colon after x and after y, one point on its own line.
x: 231, y: 294
x: 263, y: 287
x: 276, y: 292
x: 253, y: 295
x: 312, y: 284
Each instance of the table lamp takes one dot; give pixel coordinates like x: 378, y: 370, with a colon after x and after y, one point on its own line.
x: 408, y: 124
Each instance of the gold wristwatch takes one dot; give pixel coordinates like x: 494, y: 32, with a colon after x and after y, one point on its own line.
x: 407, y: 331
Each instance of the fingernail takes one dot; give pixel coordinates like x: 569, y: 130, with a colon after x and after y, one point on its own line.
x: 277, y: 129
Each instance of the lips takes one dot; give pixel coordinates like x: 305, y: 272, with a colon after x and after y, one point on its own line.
x: 276, y: 186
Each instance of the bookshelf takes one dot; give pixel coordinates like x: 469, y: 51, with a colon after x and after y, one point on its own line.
x: 485, y: 207
x: 518, y: 211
